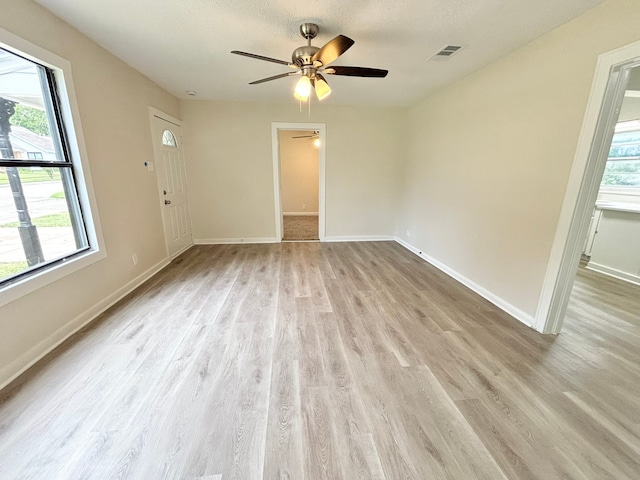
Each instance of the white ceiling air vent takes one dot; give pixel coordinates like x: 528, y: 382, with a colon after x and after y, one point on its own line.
x: 445, y: 53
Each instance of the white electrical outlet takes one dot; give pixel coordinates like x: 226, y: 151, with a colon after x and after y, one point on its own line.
x: 304, y: 206
x: 134, y: 257
x: 408, y: 233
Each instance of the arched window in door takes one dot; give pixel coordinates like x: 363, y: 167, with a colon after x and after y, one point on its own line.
x: 169, y: 139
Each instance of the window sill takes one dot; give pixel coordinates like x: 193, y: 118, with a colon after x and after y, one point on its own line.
x: 635, y: 191
x: 619, y: 206
x: 39, y: 280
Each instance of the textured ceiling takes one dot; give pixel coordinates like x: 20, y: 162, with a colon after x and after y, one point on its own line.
x: 184, y: 44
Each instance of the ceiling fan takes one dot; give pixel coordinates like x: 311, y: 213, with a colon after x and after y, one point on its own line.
x: 312, y: 62
x: 315, y: 134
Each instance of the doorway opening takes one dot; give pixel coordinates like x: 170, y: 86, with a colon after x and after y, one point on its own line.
x: 299, y: 159
x: 299, y: 184
x: 606, y: 293
x: 606, y: 161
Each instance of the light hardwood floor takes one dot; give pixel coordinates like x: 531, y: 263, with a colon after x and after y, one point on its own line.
x: 345, y: 361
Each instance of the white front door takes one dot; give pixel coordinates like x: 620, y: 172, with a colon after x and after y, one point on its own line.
x: 172, y: 183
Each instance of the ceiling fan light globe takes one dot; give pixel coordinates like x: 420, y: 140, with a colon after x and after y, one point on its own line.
x: 303, y: 88
x: 323, y: 90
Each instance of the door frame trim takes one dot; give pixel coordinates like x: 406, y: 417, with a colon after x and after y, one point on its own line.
x: 155, y: 113
x: 275, y: 151
x: 606, y: 95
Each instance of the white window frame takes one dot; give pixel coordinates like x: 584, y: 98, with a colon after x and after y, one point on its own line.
x: 77, y: 149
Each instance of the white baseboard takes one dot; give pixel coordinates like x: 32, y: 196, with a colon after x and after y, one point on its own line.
x: 612, y: 272
x: 361, y: 238
x: 36, y: 353
x: 300, y: 214
x: 233, y: 241
x: 182, y: 250
x: 502, y: 304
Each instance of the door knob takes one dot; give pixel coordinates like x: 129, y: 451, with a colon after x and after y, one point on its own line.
x: 167, y: 202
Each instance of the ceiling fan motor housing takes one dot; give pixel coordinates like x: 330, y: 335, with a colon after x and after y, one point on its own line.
x: 302, y: 55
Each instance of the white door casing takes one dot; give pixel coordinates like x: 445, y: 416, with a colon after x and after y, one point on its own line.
x: 172, y: 182
x: 607, y: 91
x: 322, y: 131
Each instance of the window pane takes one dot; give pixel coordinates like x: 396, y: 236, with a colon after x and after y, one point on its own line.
x: 622, y: 173
x: 626, y: 137
x: 28, y: 107
x: 169, y: 139
x: 621, y: 180
x: 42, y: 225
x: 623, y: 167
x: 625, y: 150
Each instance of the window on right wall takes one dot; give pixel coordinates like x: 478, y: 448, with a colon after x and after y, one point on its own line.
x: 623, y: 165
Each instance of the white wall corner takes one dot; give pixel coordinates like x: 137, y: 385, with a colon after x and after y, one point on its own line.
x: 499, y: 302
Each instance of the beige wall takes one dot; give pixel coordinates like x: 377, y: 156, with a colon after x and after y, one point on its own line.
x: 489, y: 156
x: 113, y: 101
x: 298, y: 172
x: 230, y: 167
x: 616, y: 248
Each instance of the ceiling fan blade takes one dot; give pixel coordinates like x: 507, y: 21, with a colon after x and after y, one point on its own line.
x: 305, y: 136
x: 332, y: 50
x: 356, y: 71
x: 275, y: 77
x: 260, y: 57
